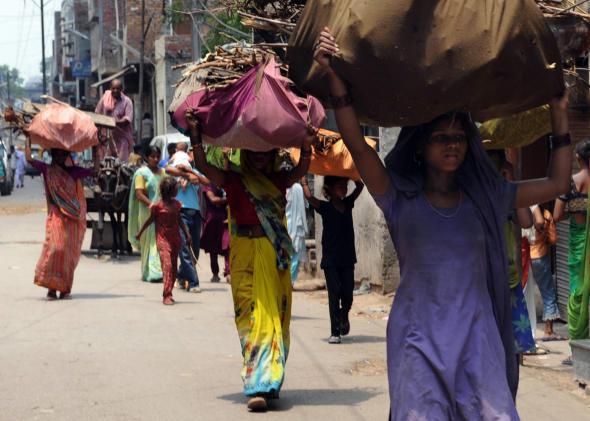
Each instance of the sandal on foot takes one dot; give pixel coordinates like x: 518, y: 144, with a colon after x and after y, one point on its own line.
x: 334, y: 340
x: 553, y: 337
x: 51, y: 295
x: 536, y: 351
x: 257, y: 404
x: 168, y: 301
x: 65, y: 296
x: 568, y: 361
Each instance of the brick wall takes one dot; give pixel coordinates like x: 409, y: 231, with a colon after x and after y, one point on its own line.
x: 170, y: 50
x: 153, y: 9
x: 104, y: 46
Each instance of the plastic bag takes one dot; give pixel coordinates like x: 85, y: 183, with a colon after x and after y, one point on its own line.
x: 331, y: 156
x: 63, y: 127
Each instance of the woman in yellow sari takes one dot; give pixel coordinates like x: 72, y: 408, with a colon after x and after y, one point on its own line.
x: 260, y: 255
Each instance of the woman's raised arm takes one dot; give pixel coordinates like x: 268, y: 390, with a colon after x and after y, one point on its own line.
x: 557, y: 182
x: 214, y: 174
x: 365, y: 158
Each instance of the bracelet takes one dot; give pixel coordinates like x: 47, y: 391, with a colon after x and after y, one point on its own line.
x: 340, y: 101
x: 559, y: 141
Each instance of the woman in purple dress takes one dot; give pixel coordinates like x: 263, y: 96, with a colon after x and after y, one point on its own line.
x: 450, y: 347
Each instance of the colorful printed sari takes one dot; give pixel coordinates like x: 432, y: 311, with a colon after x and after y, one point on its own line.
x: 270, y: 204
x: 262, y: 303
x: 578, y: 258
x: 261, y: 288
x: 64, y: 231
x: 521, y: 324
x: 151, y: 268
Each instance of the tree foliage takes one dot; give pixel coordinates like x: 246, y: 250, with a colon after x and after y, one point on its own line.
x: 10, y: 80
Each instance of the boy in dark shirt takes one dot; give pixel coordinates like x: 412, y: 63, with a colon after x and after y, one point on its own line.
x: 338, y: 250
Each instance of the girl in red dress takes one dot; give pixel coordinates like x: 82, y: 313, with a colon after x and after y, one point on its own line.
x: 166, y: 214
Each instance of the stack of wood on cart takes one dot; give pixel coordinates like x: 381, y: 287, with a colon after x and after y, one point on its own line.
x: 21, y: 118
x: 58, y: 125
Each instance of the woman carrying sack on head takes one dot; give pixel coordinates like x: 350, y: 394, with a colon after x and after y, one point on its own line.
x: 259, y: 260
x: 450, y: 343
x: 66, y: 220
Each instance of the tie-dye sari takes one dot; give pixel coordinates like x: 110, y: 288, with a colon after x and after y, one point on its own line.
x: 64, y: 230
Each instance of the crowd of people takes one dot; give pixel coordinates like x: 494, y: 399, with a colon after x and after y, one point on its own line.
x: 454, y: 216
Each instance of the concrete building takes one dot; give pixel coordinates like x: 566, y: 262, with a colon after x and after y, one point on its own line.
x: 56, y: 59
x: 70, y: 69
x: 170, y: 50
x: 72, y: 43
x: 116, y: 34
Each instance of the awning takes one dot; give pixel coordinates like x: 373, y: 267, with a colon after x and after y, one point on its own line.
x: 128, y: 69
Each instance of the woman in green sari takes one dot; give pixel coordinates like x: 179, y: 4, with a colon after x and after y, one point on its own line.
x: 575, y: 205
x: 143, y: 195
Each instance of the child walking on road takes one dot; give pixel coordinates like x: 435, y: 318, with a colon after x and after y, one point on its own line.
x: 166, y: 214
x: 338, y: 250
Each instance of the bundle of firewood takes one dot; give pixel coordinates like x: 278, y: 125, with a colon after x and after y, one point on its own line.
x: 225, y: 65
x: 20, y: 119
x: 563, y: 8
x: 284, y: 10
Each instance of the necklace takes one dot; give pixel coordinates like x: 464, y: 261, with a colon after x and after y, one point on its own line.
x: 452, y: 215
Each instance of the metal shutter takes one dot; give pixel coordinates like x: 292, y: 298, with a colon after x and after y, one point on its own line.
x: 561, y: 268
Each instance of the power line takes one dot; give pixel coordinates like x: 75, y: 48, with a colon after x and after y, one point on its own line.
x: 18, y: 49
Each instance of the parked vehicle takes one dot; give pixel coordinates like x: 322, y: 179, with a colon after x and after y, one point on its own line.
x: 162, y: 141
x: 6, y: 180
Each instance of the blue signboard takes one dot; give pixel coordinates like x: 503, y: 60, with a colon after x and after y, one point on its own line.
x: 81, y: 68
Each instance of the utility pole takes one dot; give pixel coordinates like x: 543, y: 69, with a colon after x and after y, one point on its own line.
x: 8, y: 85
x: 9, y: 103
x: 43, y: 49
x: 141, y: 70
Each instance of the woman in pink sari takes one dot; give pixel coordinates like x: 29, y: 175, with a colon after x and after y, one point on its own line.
x: 66, y: 221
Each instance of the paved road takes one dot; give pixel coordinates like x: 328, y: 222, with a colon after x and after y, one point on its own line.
x: 115, y: 352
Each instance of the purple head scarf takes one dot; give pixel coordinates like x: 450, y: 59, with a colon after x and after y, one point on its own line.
x: 493, y: 198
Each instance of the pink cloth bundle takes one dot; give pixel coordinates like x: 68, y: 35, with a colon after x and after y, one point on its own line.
x: 63, y: 127
x: 258, y: 112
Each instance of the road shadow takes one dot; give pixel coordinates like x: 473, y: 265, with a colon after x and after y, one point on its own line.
x: 98, y: 296
x: 363, y: 339
x: 303, y: 318
x: 107, y: 258
x: 312, y: 397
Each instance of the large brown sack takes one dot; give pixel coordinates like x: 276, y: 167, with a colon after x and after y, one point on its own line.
x: 408, y: 61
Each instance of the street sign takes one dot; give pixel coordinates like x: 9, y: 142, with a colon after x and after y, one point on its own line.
x: 81, y: 68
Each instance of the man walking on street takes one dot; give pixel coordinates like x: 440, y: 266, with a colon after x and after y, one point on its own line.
x: 188, y: 196
x: 117, y: 105
x: 19, y: 174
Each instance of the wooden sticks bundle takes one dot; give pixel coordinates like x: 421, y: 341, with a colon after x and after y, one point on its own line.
x: 225, y: 65
x: 282, y: 10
